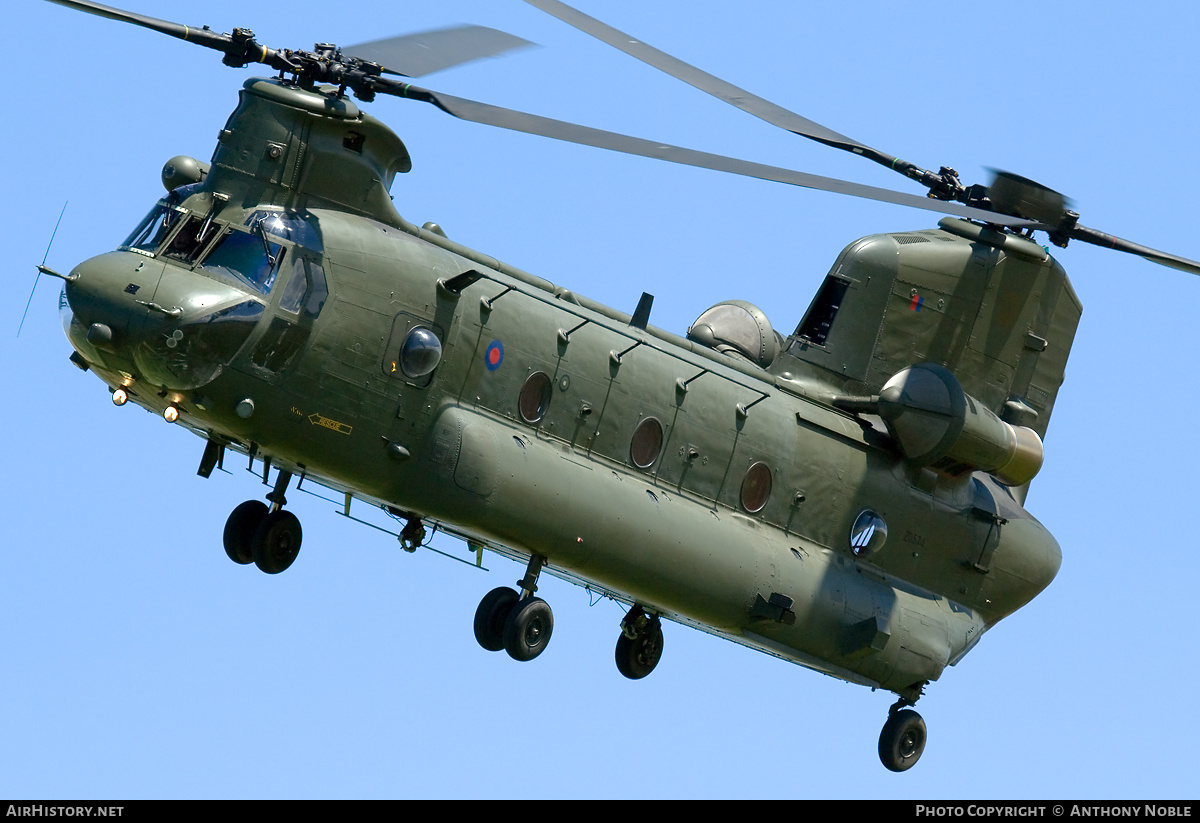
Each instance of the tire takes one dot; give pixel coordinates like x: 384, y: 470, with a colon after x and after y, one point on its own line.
x: 491, y: 617
x: 240, y: 528
x: 902, y: 740
x: 528, y: 629
x: 277, y: 541
x: 637, y: 658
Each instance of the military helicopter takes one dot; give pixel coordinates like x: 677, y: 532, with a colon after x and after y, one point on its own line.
x: 845, y: 410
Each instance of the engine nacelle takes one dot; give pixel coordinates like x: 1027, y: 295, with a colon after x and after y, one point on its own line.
x: 939, y: 425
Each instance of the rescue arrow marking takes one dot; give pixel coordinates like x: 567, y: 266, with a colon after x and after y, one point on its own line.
x: 329, y: 423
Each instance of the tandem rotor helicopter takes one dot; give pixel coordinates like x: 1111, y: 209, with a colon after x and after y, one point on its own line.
x: 846, y: 493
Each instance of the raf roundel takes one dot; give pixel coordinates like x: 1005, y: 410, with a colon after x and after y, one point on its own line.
x: 493, y: 356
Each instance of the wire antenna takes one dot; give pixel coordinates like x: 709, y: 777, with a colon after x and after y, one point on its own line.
x: 39, y: 274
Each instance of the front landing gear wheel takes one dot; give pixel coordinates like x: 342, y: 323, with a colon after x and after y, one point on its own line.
x: 902, y: 740
x: 636, y: 658
x: 240, y: 528
x: 528, y: 629
x: 492, y: 616
x: 277, y: 541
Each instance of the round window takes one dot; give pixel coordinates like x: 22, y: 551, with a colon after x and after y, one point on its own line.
x: 535, y: 397
x: 756, y: 487
x: 868, y: 534
x: 647, y: 443
x: 421, y: 353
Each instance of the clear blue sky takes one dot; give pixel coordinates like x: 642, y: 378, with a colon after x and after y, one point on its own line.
x: 137, y: 661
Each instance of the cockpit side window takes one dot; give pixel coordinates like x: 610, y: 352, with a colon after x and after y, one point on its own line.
x: 297, y: 284
x: 303, y: 295
x: 305, y: 291
x: 318, y: 291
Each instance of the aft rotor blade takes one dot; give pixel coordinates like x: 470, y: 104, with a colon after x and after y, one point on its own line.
x: 574, y: 133
x: 1108, y: 241
x: 1046, y: 214
x: 721, y: 89
x: 414, y: 55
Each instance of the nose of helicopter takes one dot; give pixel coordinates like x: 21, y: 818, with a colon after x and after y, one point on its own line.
x: 142, y: 315
x: 108, y: 296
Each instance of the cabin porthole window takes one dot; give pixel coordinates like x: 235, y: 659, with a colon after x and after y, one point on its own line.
x: 420, y: 353
x: 868, y: 534
x: 647, y: 443
x: 756, y: 487
x: 535, y: 397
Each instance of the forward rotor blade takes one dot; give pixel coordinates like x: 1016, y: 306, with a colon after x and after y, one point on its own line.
x: 414, y: 55
x: 574, y: 133
x: 201, y: 36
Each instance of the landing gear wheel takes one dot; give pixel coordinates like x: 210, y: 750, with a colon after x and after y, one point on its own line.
x: 240, y: 528
x: 492, y: 615
x: 277, y: 541
x: 637, y: 658
x: 902, y: 740
x: 528, y: 629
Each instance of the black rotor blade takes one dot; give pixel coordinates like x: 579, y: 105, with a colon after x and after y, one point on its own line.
x: 241, y: 48
x: 414, y: 55
x: 201, y: 36
x: 574, y: 133
x: 1108, y: 241
x: 721, y: 89
x: 1014, y: 194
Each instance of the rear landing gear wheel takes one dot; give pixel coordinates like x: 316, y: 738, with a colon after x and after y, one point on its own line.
x: 277, y: 541
x: 528, y: 629
x: 492, y: 615
x: 638, y: 656
x: 240, y: 528
x: 902, y: 740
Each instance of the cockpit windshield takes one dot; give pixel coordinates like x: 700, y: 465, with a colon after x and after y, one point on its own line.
x: 156, y: 225
x: 154, y: 228
x: 251, y: 259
